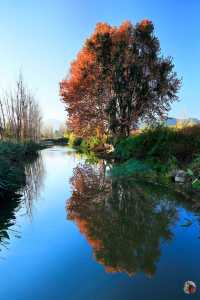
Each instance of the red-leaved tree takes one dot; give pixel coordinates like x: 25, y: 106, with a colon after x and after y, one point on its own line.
x: 118, y: 79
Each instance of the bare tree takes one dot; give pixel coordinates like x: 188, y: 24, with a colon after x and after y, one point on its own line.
x: 20, y: 115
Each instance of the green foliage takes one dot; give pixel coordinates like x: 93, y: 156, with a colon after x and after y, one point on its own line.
x: 194, y: 172
x: 162, y: 167
x: 91, y: 158
x: 196, y: 184
x: 148, y: 144
x: 127, y: 148
x: 83, y: 145
x: 93, y: 142
x: 77, y: 142
x: 74, y: 141
x: 71, y: 138
x: 163, y: 144
x: 194, y: 168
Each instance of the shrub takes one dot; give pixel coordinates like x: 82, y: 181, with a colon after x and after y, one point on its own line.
x: 162, y: 144
x: 195, y: 167
x: 93, y: 142
x: 74, y: 141
x: 77, y: 142
x: 86, y: 145
x: 188, y: 144
x: 149, y: 143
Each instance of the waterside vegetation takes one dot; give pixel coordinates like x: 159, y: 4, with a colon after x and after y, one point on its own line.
x: 118, y: 81
x: 20, y: 125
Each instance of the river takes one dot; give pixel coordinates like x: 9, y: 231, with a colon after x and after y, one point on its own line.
x: 78, y: 233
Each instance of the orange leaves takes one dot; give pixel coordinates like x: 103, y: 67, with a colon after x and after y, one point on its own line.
x: 101, y: 89
x: 125, y: 26
x: 102, y: 28
x: 146, y: 25
x: 81, y: 65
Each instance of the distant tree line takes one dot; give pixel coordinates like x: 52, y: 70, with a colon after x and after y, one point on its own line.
x: 48, y: 131
x: 20, y: 115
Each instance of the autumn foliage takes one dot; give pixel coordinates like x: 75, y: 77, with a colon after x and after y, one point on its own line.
x: 118, y: 79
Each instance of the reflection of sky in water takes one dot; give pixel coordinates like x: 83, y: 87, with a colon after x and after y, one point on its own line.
x: 53, y: 260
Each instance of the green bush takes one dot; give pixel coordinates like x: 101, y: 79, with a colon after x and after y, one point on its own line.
x: 162, y: 144
x: 194, y: 167
x: 149, y: 143
x: 93, y: 142
x: 74, y: 141
x: 77, y: 142
x: 84, y: 145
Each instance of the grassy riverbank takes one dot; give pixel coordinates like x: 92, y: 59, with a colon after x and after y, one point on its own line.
x: 162, y: 144
x: 162, y: 150
x: 155, y: 152
x: 13, y: 157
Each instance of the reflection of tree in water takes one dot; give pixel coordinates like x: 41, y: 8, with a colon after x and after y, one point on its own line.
x: 8, y: 209
x: 11, y: 204
x: 34, y: 181
x: 124, y: 221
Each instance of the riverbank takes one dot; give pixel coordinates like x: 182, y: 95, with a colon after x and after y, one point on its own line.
x: 13, y: 157
x: 170, y: 152
x: 163, y: 154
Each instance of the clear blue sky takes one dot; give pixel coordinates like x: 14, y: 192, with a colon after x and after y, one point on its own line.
x: 42, y: 37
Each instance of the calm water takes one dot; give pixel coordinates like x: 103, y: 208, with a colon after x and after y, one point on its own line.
x: 77, y: 233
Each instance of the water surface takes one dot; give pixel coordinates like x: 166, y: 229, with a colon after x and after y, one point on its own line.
x: 78, y: 233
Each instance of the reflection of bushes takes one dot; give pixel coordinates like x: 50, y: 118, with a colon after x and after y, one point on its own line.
x: 13, y: 157
x: 130, y: 167
x: 10, y: 203
x: 122, y: 220
x: 7, y: 219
